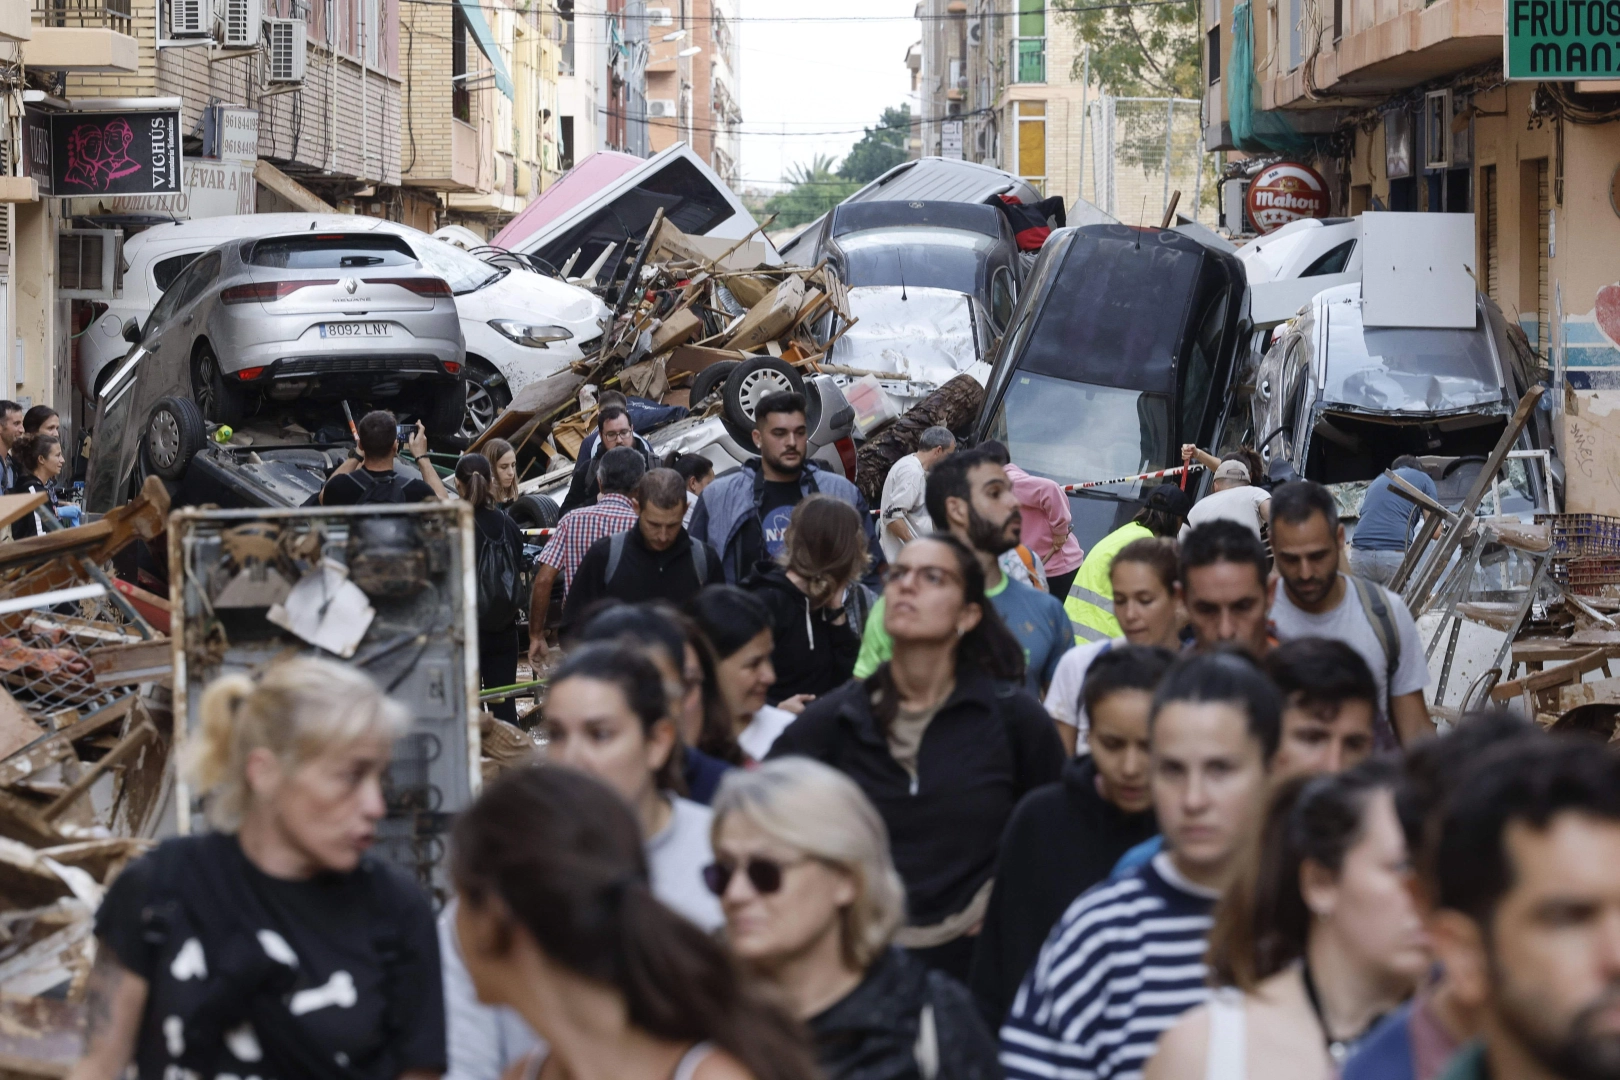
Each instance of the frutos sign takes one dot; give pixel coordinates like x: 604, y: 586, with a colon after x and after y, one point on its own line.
x: 1287, y: 191
x: 1550, y: 40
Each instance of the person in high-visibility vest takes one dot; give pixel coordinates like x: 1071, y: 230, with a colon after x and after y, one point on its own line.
x: 1090, y: 603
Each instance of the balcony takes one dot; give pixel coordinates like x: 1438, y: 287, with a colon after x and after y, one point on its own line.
x: 1390, y: 45
x: 99, y: 14
x: 82, y: 36
x: 1029, y: 59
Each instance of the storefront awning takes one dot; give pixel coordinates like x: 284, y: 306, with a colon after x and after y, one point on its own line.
x: 486, y: 41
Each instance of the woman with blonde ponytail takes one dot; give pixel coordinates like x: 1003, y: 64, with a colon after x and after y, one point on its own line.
x: 273, y: 947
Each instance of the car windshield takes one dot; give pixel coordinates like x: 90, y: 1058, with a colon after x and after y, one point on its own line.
x: 324, y: 251
x: 915, y: 257
x: 1406, y: 369
x: 464, y: 272
x: 1073, y: 432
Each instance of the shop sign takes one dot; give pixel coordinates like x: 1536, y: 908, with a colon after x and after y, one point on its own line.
x: 129, y: 152
x: 1554, y: 40
x: 950, y: 140
x: 1284, y: 192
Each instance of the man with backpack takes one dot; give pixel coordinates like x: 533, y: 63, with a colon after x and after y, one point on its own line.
x: 1317, y: 600
x: 656, y: 560
x: 368, y: 476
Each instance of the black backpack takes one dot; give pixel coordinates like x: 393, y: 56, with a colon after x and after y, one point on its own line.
x: 500, y: 588
x: 375, y: 490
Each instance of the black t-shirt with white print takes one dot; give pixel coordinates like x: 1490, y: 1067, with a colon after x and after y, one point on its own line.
x: 249, y: 975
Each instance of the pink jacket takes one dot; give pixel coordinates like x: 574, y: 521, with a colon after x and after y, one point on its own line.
x: 1045, y: 513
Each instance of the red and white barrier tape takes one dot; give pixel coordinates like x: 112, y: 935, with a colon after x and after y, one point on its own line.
x: 1179, y: 470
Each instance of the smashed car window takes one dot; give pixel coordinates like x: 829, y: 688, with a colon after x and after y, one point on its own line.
x: 889, y: 214
x: 1406, y: 369
x: 1116, y: 313
x: 464, y: 272
x: 318, y: 251
x: 1072, y: 431
x: 917, y: 258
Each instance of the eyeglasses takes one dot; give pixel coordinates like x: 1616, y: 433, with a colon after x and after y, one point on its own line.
x: 765, y: 875
x: 928, y: 575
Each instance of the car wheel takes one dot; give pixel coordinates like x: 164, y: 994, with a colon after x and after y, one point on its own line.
x: 487, y: 394
x: 705, y: 381
x: 535, y: 511
x: 444, y: 409
x: 175, y: 431
x: 751, y: 382
x: 220, y: 400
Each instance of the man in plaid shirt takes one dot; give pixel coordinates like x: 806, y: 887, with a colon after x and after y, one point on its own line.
x: 617, y: 475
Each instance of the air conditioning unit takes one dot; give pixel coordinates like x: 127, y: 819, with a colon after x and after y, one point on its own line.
x: 660, y: 107
x: 286, y: 50
x: 188, y: 18
x: 975, y: 32
x: 661, y: 16
x: 242, y: 19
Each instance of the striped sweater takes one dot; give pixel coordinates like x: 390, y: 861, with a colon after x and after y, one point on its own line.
x: 1121, y: 965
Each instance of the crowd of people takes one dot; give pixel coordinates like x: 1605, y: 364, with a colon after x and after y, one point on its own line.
x: 829, y: 793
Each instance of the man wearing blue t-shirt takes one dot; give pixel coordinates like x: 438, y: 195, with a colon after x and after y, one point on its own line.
x: 1387, y: 519
x: 969, y: 495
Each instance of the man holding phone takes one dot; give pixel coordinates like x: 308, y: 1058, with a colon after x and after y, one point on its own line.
x: 368, y: 476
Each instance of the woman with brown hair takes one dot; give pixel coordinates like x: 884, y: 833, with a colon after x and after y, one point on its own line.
x: 824, y: 552
x: 503, y: 464
x: 500, y: 593
x: 1313, y: 943
x: 942, y: 738
x: 556, y: 920
x: 38, y: 458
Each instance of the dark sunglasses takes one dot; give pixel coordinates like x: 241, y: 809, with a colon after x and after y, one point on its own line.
x: 765, y: 875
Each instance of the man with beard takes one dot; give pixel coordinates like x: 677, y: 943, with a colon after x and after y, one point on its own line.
x: 744, y: 514
x: 1317, y: 600
x: 1527, y: 926
x: 970, y: 496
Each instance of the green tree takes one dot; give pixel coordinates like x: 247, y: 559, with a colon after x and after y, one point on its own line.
x: 880, y: 149
x: 817, y: 188
x: 1141, y: 51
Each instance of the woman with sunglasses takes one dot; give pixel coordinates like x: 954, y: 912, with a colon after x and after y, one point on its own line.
x: 557, y: 922
x: 812, y: 900
x: 942, y: 738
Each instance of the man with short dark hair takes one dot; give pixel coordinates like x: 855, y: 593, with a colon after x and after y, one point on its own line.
x: 11, y: 429
x: 1527, y: 926
x: 1317, y: 600
x: 617, y: 475
x: 1385, y: 527
x: 1223, y: 584
x: 970, y: 496
x: 614, y: 429
x: 1330, y: 706
x: 368, y: 476
x: 744, y: 514
x: 1126, y: 958
x: 656, y: 560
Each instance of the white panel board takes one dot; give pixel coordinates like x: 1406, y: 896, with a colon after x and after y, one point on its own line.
x: 1417, y: 269
x: 1272, y: 302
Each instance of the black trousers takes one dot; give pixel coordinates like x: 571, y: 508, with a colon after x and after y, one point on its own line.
x: 1060, y: 584
x: 497, y: 666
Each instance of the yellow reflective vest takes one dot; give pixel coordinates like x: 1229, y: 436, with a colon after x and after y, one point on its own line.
x: 1090, y: 602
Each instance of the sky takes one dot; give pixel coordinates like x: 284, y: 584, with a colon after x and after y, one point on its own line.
x: 810, y: 84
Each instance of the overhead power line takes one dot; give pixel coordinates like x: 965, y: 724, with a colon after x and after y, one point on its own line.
x: 1069, y: 9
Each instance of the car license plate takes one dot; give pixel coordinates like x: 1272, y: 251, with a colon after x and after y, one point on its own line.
x: 357, y: 329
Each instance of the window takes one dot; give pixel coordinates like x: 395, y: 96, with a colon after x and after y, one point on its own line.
x: 1029, y: 47
x: 1032, y: 142
x: 164, y: 271
x: 1213, y: 55
x: 332, y: 252
x: 1001, y: 298
x: 460, y: 96
x: 1493, y: 248
x: 1079, y: 431
x: 1332, y: 261
x: 565, y: 37
x: 1295, y: 36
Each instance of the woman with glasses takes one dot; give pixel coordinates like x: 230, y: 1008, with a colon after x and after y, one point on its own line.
x: 811, y: 901
x: 942, y: 738
x: 557, y: 922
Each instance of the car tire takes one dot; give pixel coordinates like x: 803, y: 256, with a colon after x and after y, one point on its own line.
x: 175, y: 431
x: 487, y: 394
x: 535, y: 511
x: 445, y: 409
x: 705, y: 381
x: 218, y: 398
x: 749, y: 383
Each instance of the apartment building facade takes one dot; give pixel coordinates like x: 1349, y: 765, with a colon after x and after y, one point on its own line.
x: 693, y: 91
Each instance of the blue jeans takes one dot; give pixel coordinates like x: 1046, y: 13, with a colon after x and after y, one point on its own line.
x: 1377, y: 566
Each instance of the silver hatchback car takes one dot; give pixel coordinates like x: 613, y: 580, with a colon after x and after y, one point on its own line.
x: 322, y: 316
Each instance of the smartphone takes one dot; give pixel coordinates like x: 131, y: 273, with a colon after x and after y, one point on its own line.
x: 406, y: 433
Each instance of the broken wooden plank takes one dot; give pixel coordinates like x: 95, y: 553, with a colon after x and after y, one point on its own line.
x: 1546, y: 680
x: 127, y: 665
x: 40, y: 1037
x: 1601, y: 692
x: 125, y: 748
x: 17, y: 507
x: 17, y: 728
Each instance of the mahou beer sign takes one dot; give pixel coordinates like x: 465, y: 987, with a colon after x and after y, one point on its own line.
x: 1284, y: 192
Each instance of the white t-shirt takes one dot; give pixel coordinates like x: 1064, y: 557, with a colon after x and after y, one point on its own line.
x: 675, y: 861
x: 903, y: 491
x: 1063, y: 695
x: 1350, y: 624
x: 1239, y: 504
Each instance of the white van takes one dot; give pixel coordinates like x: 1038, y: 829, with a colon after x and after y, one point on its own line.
x: 519, y: 326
